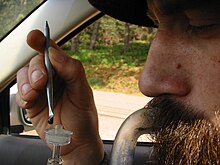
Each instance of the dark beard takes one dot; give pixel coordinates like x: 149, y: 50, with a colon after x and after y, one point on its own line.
x: 185, y: 136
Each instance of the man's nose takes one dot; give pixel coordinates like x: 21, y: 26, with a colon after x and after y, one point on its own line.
x: 165, y: 71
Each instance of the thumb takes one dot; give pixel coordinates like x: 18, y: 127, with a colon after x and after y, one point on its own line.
x: 67, y: 68
x: 72, y: 72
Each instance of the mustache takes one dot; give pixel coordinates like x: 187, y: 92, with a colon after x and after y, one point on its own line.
x: 170, y: 112
x: 185, y: 136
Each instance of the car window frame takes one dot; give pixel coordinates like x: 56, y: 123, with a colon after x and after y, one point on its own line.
x: 89, y: 16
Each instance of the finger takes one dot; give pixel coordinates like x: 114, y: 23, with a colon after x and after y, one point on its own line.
x: 36, y: 40
x: 21, y: 103
x: 37, y: 73
x: 72, y: 72
x: 67, y: 68
x: 34, y: 107
x: 25, y: 91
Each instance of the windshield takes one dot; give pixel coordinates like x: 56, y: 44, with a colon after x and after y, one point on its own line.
x: 14, y: 11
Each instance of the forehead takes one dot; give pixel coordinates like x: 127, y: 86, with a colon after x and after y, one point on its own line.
x: 172, y: 6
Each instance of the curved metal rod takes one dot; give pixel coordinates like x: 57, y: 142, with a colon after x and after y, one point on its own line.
x: 138, y: 123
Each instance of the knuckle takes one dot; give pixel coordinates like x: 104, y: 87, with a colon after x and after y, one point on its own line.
x: 37, y: 62
x: 78, y: 69
x: 21, y: 71
x: 73, y: 70
x: 21, y: 103
x: 78, y: 65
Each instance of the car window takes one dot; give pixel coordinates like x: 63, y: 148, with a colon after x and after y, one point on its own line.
x: 14, y: 11
x: 113, y: 54
x: 111, y: 71
x: 112, y: 67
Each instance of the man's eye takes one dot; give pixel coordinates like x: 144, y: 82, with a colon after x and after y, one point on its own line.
x: 192, y: 29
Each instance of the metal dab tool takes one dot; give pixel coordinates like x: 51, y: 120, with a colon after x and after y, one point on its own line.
x: 58, y: 136
x: 49, y: 69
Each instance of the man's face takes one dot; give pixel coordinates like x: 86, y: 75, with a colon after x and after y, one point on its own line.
x: 184, y: 59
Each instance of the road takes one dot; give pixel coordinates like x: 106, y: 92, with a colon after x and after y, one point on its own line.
x: 114, y: 108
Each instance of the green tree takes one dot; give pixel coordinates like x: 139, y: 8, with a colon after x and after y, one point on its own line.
x: 94, y: 34
x: 127, y: 37
x: 108, y: 31
x: 13, y: 11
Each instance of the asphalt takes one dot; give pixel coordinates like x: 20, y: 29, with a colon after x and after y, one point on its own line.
x: 117, y: 101
x: 113, y: 108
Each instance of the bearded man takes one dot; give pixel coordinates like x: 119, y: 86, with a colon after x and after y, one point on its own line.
x: 182, y: 73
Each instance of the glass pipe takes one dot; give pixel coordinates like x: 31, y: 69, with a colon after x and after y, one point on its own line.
x: 57, y: 137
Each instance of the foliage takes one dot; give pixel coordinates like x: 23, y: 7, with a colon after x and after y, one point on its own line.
x: 108, y: 66
x: 112, y: 32
x: 108, y: 69
x: 113, y: 54
x: 13, y: 11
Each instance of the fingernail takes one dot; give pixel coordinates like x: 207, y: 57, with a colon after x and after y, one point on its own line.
x: 25, y: 88
x: 36, y: 76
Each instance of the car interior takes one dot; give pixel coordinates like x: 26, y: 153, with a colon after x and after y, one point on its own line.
x: 67, y: 18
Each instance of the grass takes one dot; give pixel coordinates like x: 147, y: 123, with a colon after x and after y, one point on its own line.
x: 109, y: 69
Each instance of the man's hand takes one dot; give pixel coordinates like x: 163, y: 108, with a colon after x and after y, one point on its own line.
x: 74, y: 104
